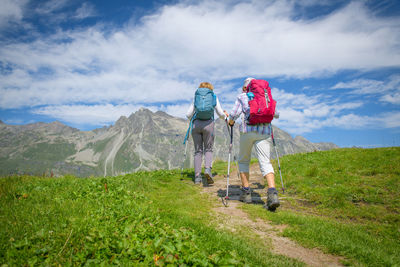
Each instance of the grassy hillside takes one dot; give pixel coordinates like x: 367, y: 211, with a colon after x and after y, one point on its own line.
x: 345, y: 202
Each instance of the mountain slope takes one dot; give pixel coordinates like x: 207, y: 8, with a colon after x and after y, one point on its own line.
x: 142, y: 141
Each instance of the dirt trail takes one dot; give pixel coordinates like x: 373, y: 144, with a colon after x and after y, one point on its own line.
x: 235, y: 218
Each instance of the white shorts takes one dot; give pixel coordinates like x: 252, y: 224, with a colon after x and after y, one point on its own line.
x: 261, y: 144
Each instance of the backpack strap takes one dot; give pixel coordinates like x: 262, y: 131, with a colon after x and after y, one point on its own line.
x: 189, y: 129
x: 266, y: 97
x: 214, y: 99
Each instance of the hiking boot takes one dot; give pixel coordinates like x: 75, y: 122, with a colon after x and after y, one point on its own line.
x: 272, y: 199
x: 197, y: 180
x: 205, y: 181
x: 245, y: 195
x: 208, y: 175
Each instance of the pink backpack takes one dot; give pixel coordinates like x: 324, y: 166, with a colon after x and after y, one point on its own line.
x: 262, y: 105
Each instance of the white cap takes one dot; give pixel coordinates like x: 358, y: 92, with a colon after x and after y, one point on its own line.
x: 247, y: 81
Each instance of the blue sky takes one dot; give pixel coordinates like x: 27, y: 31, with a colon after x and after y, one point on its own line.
x: 334, y: 66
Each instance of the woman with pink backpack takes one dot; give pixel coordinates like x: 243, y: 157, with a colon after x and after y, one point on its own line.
x: 201, y: 113
x: 256, y: 108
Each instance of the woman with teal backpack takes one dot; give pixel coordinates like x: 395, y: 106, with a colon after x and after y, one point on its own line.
x: 201, y: 114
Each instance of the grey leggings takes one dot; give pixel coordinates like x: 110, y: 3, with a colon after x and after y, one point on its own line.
x: 203, y: 138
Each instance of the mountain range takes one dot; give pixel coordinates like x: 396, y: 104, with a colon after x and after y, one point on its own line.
x: 145, y: 140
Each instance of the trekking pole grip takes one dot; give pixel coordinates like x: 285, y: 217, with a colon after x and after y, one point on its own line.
x: 231, y: 135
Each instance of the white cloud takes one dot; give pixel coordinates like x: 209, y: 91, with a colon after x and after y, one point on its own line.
x: 105, y: 114
x: 213, y: 41
x: 91, y: 89
x: 51, y: 6
x: 388, y: 90
x: 391, y: 98
x: 300, y: 113
x: 362, y: 86
x: 87, y: 115
x: 11, y: 11
x: 176, y: 110
x: 388, y: 120
x: 381, y: 121
x: 85, y: 11
x: 298, y: 123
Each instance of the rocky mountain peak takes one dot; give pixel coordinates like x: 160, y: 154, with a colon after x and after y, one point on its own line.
x: 144, y: 111
x: 57, y: 124
x: 59, y: 127
x: 121, y: 122
x: 140, y: 114
x: 163, y: 114
x: 300, y: 138
x: 144, y: 115
x: 136, y: 121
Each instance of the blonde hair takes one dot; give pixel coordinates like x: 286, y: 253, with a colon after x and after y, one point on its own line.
x: 206, y: 85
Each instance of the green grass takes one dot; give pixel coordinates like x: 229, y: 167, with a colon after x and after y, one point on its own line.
x: 144, y: 218
x: 345, y: 201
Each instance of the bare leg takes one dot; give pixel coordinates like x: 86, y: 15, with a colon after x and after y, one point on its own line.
x: 270, y: 177
x: 245, y: 179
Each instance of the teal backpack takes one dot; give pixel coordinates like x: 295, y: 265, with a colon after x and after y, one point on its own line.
x: 204, y: 103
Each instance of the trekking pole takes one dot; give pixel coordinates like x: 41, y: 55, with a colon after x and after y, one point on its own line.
x: 237, y: 167
x: 184, y: 157
x: 277, y: 157
x: 225, y: 200
x: 185, y: 142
